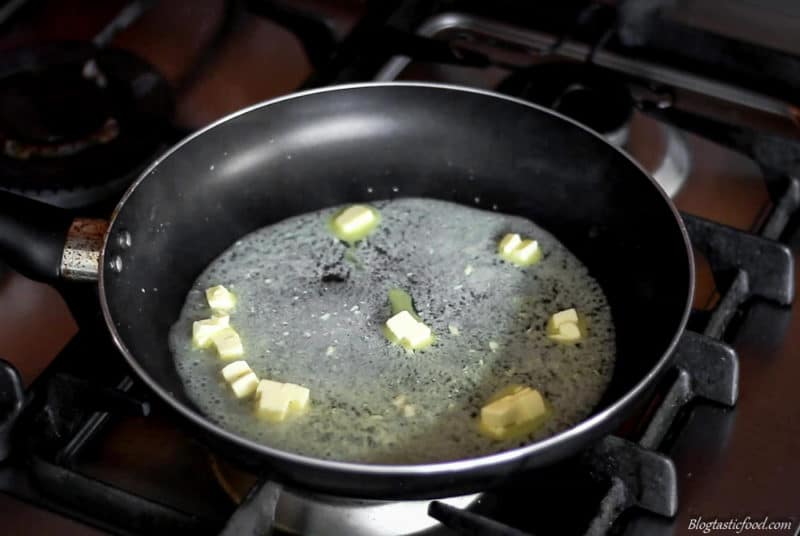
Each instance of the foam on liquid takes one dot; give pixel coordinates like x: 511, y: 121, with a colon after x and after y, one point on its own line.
x: 301, y: 292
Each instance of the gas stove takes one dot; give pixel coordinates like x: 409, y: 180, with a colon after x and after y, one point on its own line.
x: 702, y: 102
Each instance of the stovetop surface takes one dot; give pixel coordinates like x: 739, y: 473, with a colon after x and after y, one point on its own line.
x: 731, y: 463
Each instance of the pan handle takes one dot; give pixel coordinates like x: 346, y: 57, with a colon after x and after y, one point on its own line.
x: 32, y: 236
x: 45, y: 243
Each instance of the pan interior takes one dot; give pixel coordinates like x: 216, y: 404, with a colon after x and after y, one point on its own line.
x: 310, y: 310
x: 361, y: 144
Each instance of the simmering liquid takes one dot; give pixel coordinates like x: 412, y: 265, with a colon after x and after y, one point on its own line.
x: 310, y: 311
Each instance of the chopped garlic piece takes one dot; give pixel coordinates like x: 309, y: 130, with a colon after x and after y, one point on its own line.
x: 202, y: 330
x: 220, y: 299
x: 409, y: 411
x: 468, y: 270
x: 228, y: 343
x: 235, y: 370
x: 330, y: 350
x: 277, y: 400
x: 493, y: 346
x: 513, y: 413
x: 400, y: 300
x: 453, y: 329
x: 409, y: 331
x: 399, y: 401
x: 245, y: 386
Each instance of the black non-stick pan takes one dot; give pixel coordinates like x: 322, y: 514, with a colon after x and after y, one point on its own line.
x: 320, y: 148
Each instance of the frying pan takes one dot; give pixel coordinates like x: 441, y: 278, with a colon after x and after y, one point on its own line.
x: 324, y: 147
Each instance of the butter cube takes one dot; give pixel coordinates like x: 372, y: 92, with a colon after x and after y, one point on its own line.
x: 355, y: 222
x: 527, y: 253
x: 513, y: 414
x: 235, y: 370
x: 517, y: 408
x: 228, y: 343
x: 565, y: 326
x: 354, y: 218
x: 515, y: 250
x: 567, y: 316
x: 202, y: 330
x: 277, y: 400
x: 220, y: 299
x: 245, y: 385
x: 299, y: 396
x: 401, y: 323
x: 567, y: 333
x: 270, y: 405
x: 410, y: 332
x: 509, y: 243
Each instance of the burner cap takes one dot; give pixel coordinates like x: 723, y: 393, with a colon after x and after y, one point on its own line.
x: 53, y: 105
x: 77, y: 123
x: 596, y: 97
x: 581, y: 91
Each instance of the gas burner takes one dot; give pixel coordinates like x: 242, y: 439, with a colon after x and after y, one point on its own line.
x: 309, y: 514
x: 597, y: 99
x: 85, y: 142
x: 580, y: 91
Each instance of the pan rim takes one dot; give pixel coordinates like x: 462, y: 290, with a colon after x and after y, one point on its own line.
x: 572, y: 434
